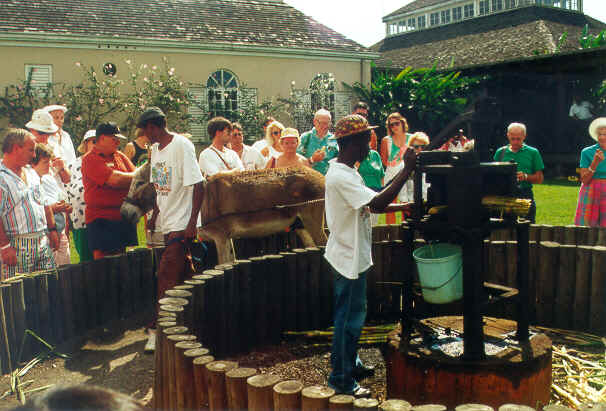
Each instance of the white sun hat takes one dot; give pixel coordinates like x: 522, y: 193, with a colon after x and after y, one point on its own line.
x: 43, y: 122
x: 595, y: 125
x: 55, y: 107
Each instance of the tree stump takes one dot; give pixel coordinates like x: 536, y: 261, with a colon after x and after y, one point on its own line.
x: 366, y: 404
x: 287, y: 395
x: 341, y: 402
x: 260, y: 391
x: 395, y: 405
x: 315, y: 398
x: 200, y: 380
x: 235, y: 384
x: 217, y: 393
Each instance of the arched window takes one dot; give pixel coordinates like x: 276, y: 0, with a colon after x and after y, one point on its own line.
x: 322, y: 90
x: 222, y: 88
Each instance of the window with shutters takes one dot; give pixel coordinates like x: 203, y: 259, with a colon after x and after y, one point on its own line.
x: 434, y: 19
x: 445, y: 14
x: 421, y: 22
x: 410, y: 25
x: 484, y: 7
x: 222, y: 90
x: 468, y: 11
x: 456, y: 14
x: 40, y: 77
x: 497, y: 5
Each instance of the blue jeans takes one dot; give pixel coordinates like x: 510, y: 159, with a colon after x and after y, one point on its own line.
x: 350, y: 314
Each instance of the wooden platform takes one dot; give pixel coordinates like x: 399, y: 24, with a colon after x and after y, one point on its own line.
x: 519, y: 374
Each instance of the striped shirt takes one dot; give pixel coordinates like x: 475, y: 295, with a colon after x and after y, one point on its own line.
x: 21, y: 207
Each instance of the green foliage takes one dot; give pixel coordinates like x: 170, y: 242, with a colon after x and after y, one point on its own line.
x: 253, y: 117
x: 427, y: 98
x: 153, y: 86
x: 588, y: 40
x: 20, y: 100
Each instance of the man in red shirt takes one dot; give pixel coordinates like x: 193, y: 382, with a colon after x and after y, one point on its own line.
x: 106, y: 176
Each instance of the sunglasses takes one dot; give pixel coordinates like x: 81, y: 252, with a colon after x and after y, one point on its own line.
x: 419, y: 145
x: 394, y: 124
x: 276, y: 133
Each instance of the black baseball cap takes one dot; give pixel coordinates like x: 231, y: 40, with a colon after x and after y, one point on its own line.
x: 150, y: 113
x: 109, y: 129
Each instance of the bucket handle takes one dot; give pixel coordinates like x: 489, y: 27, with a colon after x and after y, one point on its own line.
x: 437, y: 287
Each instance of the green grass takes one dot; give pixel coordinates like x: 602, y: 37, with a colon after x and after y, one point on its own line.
x: 556, y: 201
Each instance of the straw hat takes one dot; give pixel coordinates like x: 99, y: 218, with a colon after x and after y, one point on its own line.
x: 351, y: 124
x: 595, y: 126
x: 43, y: 122
x: 88, y: 135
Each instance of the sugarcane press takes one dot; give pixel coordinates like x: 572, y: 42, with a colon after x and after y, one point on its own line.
x: 458, y: 183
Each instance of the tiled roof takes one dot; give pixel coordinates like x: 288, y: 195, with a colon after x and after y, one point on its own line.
x: 512, y: 35
x: 238, y: 22
x: 415, y: 5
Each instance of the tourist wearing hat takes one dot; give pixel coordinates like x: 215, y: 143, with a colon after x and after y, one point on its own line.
x: 179, y: 193
x: 528, y: 161
x: 456, y: 143
x: 251, y: 158
x: 106, y: 177
x: 348, y: 204
x: 75, y: 197
x: 289, y: 141
x: 591, y: 207
x: 42, y: 126
x: 61, y: 141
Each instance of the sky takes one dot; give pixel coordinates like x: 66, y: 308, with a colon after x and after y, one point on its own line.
x: 362, y: 20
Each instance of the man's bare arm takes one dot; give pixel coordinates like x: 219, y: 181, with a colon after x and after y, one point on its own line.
x: 120, y: 179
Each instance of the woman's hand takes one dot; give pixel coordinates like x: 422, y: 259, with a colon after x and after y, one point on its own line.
x: 597, y: 158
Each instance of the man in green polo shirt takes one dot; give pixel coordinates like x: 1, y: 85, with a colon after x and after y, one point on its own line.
x: 317, y: 144
x: 529, y: 161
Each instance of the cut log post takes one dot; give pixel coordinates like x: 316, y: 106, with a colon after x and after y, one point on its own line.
x: 18, y: 303
x: 125, y: 288
x: 200, y: 380
x: 395, y: 405
x: 474, y: 407
x: 534, y: 232
x: 582, y: 235
x: 79, y: 303
x: 230, y: 311
x: 260, y: 391
x: 548, y: 252
x: 597, y: 296
x: 290, y: 292
x: 67, y: 301
x: 89, y: 295
x: 173, y: 371
x: 214, y: 315
x: 429, y: 407
x: 511, y: 257
x: 570, y: 237
x: 325, y: 291
x: 315, y: 398
x: 235, y: 385
x: 31, y: 315
x: 159, y: 362
x: 113, y: 287
x: 498, y: 263
x: 49, y: 315
x: 582, y: 288
x: 515, y: 407
x: 134, y: 261
x: 5, y: 347
x: 184, y: 372
x: 556, y: 407
x: 366, y: 404
x: 5, y: 289
x: 98, y: 279
x: 533, y: 267
x: 558, y: 234
x: 217, y: 392
x: 303, y: 290
x: 148, y: 277
x: 564, y: 297
x: 315, y: 263
x: 245, y: 313
x: 341, y: 402
x: 201, y: 316
x: 546, y: 233
x: 186, y: 295
x: 178, y: 310
x: 197, y: 294
x: 592, y: 236
x: 275, y: 288
x: 287, y: 395
x: 259, y: 292
x: 168, y: 366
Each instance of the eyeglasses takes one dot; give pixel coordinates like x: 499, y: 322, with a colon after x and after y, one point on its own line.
x: 395, y: 124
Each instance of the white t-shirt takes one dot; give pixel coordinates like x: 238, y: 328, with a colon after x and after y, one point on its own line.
x: 259, y: 145
x: 348, y: 218
x: 213, y: 161
x: 174, y: 172
x: 63, y: 147
x: 252, y: 159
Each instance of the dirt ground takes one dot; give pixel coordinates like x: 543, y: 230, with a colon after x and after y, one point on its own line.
x: 117, y: 361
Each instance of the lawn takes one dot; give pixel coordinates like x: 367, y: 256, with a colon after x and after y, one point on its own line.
x: 556, y: 201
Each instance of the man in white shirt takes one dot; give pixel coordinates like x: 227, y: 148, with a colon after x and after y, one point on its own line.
x: 217, y: 158
x: 348, y: 204
x: 580, y: 109
x: 179, y: 193
x: 251, y: 158
x: 61, y: 142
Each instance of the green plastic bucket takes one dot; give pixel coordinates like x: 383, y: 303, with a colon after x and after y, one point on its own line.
x: 440, y: 269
